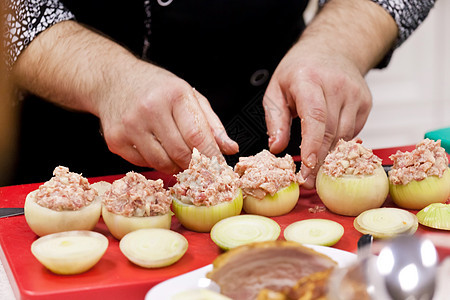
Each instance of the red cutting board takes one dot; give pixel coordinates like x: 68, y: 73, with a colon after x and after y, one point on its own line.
x: 114, y: 276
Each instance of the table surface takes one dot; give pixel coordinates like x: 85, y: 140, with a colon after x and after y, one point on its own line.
x: 114, y: 275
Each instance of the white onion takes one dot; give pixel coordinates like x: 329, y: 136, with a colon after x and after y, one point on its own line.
x: 43, y: 220
x: 70, y: 252
x: 386, y: 222
x: 244, y: 229
x: 279, y: 204
x: 203, y: 218
x: 120, y: 225
x: 321, y: 232
x: 419, y: 194
x: 153, y: 247
x: 350, y: 195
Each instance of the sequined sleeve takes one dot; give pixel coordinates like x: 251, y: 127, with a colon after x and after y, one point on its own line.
x: 25, y: 19
x: 408, y: 14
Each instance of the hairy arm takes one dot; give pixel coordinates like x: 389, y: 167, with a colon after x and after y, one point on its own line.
x: 149, y: 116
x: 321, y: 79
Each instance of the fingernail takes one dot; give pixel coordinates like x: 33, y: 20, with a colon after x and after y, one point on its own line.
x: 311, y: 161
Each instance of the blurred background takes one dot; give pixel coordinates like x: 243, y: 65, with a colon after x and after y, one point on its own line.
x: 412, y: 95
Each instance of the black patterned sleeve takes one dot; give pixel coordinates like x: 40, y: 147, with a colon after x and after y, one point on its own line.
x: 408, y: 14
x: 25, y: 19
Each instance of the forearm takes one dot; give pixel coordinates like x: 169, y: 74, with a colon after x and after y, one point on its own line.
x: 72, y: 66
x: 359, y: 30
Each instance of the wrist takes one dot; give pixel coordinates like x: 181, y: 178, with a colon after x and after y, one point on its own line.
x: 359, y: 30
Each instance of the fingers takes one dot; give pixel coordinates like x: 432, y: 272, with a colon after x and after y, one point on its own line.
x: 225, y: 143
x: 312, y: 109
x: 193, y: 125
x: 278, y: 117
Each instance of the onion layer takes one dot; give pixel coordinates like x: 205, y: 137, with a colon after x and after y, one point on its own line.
x: 314, y: 232
x: 120, y: 225
x: 70, y: 252
x: 279, y: 204
x: 153, y: 247
x: 244, y: 229
x: 419, y: 194
x: 350, y: 195
x: 43, y: 220
x: 203, y: 218
x: 386, y: 222
x: 435, y: 215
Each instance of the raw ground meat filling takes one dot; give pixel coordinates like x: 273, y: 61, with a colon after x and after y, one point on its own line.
x: 65, y: 191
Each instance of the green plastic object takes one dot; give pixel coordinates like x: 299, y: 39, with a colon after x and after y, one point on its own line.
x: 442, y: 134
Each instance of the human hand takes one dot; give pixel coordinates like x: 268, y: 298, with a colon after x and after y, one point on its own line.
x: 152, y: 118
x: 329, y: 94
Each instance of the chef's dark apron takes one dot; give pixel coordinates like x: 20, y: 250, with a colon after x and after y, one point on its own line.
x: 226, y: 49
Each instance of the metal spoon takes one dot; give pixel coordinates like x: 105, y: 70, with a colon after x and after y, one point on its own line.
x: 408, y: 266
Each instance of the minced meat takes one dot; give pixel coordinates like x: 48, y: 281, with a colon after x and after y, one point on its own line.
x: 65, y: 191
x: 206, y: 182
x: 265, y: 173
x: 136, y: 196
x: 428, y: 159
x: 350, y: 158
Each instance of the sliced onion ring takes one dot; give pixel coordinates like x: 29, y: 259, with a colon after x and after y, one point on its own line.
x: 419, y: 194
x: 435, y: 215
x: 203, y: 218
x: 279, y: 204
x: 321, y: 232
x: 153, y: 247
x: 386, y: 222
x: 70, y: 252
x: 244, y: 229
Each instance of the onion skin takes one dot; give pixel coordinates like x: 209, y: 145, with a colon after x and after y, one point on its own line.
x: 350, y: 195
x: 436, y: 215
x: 279, y: 204
x: 43, y: 220
x: 120, y: 225
x: 419, y: 194
x: 203, y: 218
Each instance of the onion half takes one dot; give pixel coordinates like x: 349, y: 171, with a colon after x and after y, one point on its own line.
x: 203, y: 218
x: 435, y: 215
x: 244, y: 229
x: 153, y: 247
x: 70, y: 252
x: 350, y: 195
x: 419, y: 194
x: 386, y: 222
x: 279, y: 204
x: 120, y: 225
x: 43, y: 220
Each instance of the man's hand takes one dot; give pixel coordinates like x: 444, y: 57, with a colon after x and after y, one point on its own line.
x: 321, y: 79
x: 153, y: 118
x: 149, y: 116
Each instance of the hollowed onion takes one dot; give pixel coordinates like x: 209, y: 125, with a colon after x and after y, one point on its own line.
x: 419, y: 194
x: 203, y: 218
x: 70, y: 252
x: 43, y: 220
x: 120, y: 225
x: 350, y: 195
x: 279, y: 204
